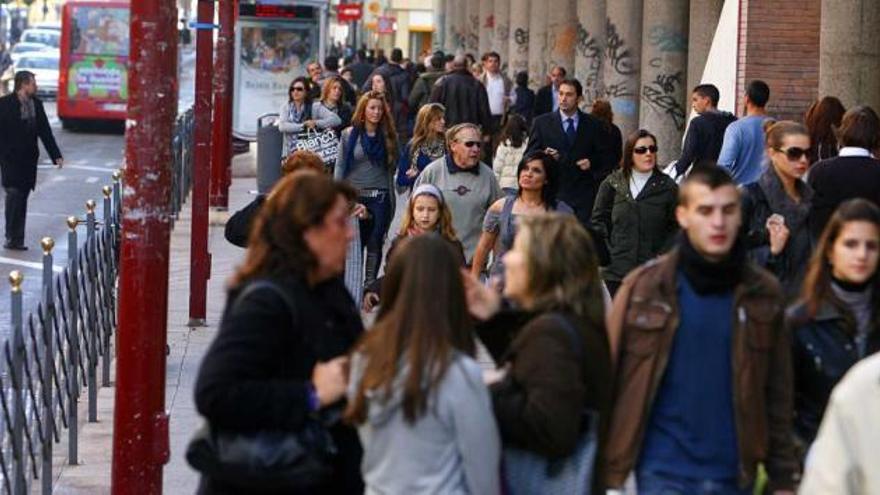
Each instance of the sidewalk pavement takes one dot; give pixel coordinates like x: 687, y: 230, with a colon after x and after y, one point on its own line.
x: 187, y: 347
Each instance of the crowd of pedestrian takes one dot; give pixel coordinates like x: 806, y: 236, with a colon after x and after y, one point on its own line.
x: 557, y: 312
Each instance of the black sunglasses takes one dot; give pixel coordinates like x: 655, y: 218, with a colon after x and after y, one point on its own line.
x: 297, y: 88
x: 471, y: 144
x: 795, y: 153
x: 641, y: 150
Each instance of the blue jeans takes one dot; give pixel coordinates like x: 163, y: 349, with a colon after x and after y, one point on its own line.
x: 651, y: 483
x: 374, y: 228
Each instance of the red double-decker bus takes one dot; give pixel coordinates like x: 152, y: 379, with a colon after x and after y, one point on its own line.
x: 93, y: 72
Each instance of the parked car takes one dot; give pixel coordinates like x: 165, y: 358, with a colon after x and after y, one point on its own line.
x: 45, y: 69
x: 48, y: 37
x: 23, y: 47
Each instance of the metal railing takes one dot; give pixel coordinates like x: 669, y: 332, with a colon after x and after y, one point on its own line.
x: 66, y: 344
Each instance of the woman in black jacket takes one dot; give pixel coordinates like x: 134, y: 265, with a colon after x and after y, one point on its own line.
x: 280, y: 355
x: 837, y: 323
x: 775, y: 208
x: 634, y: 214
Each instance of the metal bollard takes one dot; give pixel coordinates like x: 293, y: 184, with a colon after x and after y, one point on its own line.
x: 19, y: 483
x: 107, y: 282
x: 117, y: 196
x: 47, y: 243
x: 91, y: 326
x: 73, y: 363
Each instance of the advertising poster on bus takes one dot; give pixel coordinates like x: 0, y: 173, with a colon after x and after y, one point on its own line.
x: 99, y: 54
x: 269, y: 55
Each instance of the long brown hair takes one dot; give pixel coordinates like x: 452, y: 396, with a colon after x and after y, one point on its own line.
x: 444, y: 222
x: 823, y: 119
x: 359, y: 119
x: 817, y: 283
x: 423, y: 320
x: 328, y: 86
x: 276, y: 245
x: 422, y: 131
x: 563, y: 266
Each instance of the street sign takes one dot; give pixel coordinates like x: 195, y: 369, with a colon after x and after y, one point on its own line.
x: 386, y: 25
x: 349, y: 12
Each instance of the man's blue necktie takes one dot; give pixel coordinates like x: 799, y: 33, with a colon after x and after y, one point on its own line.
x: 569, y: 130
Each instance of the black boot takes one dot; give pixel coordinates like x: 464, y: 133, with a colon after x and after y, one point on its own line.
x: 372, y: 267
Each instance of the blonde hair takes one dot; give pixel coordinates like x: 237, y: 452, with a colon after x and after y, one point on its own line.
x: 328, y: 85
x: 562, y: 266
x: 444, y: 221
x: 455, y: 130
x: 422, y: 131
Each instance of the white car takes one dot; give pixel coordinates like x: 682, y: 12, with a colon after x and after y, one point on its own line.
x: 45, y: 69
x: 48, y: 37
x: 22, y: 48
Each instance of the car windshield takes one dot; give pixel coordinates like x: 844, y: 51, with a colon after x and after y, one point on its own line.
x: 45, y: 38
x: 38, y: 63
x: 26, y: 48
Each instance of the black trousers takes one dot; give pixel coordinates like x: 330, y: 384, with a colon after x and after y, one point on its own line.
x: 16, y: 211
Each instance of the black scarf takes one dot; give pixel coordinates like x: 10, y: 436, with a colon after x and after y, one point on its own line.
x: 708, y: 277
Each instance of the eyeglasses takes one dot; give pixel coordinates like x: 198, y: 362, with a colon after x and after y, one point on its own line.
x: 471, y: 144
x: 795, y: 153
x: 641, y: 150
x: 297, y: 88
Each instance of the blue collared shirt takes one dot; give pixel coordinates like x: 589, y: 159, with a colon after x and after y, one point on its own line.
x: 576, y: 118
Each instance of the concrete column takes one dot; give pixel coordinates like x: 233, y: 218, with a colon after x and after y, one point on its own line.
x: 704, y: 17
x: 623, y: 50
x: 849, y: 52
x: 502, y: 31
x: 590, y: 48
x: 518, y: 38
x: 486, y: 27
x: 472, y: 39
x: 438, y: 40
x: 455, y: 25
x: 561, y: 33
x: 538, y: 10
x: 664, y: 74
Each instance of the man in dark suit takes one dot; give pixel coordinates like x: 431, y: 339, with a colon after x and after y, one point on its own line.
x: 546, y: 99
x: 22, y: 121
x: 579, y: 143
x: 361, y: 69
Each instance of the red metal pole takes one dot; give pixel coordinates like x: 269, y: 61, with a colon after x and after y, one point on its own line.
x: 140, y: 434
x: 200, y: 258
x: 221, y: 159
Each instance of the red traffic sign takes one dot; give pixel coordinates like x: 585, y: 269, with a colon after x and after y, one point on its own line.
x: 348, y: 12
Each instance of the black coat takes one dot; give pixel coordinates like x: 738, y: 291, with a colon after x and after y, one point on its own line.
x: 525, y: 103
x: 238, y: 227
x: 838, y: 179
x: 465, y: 99
x: 823, y: 350
x: 19, y: 152
x: 256, y: 372
x: 634, y: 230
x: 576, y: 187
x: 702, y: 143
x: 360, y: 72
x: 544, y: 100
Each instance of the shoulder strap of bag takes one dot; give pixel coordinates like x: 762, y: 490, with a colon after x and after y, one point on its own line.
x: 258, y: 284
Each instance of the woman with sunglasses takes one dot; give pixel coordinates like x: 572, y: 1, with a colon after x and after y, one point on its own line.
x: 299, y: 114
x: 367, y: 157
x: 634, y: 214
x: 837, y: 321
x: 537, y: 176
x: 777, y: 205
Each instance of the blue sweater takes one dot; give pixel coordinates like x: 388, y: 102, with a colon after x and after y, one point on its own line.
x: 691, y: 431
x: 742, y: 153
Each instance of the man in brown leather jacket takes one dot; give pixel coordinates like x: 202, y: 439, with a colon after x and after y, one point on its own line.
x: 703, y: 368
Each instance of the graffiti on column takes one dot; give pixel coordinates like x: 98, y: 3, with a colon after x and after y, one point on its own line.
x: 661, y: 94
x: 521, y: 38
x: 667, y: 40
x: 618, y: 54
x: 490, y: 22
x: 502, y: 32
x: 473, y: 36
x: 589, y: 48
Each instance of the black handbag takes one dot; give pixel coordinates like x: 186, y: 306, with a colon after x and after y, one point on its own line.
x: 292, y: 461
